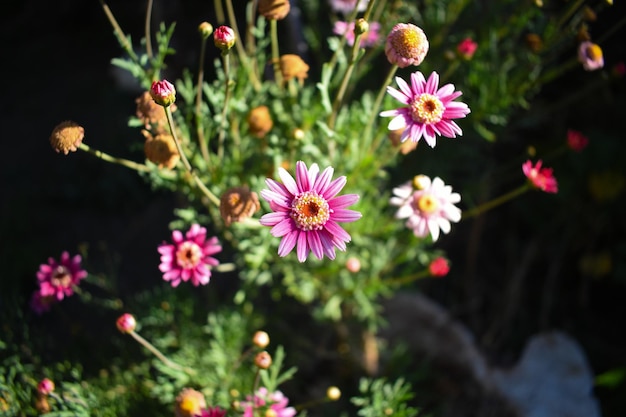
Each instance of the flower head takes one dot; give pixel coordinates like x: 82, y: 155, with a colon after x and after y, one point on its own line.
x: 274, y: 9
x: 189, y: 257
x: 429, y: 110
x: 160, y: 149
x: 150, y: 113
x: 260, y: 121
x: 163, y: 93
x: 45, y: 386
x: 307, y: 210
x: 540, y: 178
x: 126, y: 323
x: 264, y: 400
x: 428, y: 208
x: 292, y: 66
x: 370, y: 38
x: 347, y: 6
x: 224, y: 38
x: 237, y: 204
x: 212, y: 412
x: 57, y: 279
x: 590, y: 56
x: 439, y: 267
x: 466, y: 48
x: 406, y: 45
x: 576, y: 141
x: 67, y: 137
x: 189, y: 403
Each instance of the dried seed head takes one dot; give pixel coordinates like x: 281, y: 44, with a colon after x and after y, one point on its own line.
x: 274, y: 9
x: 260, y: 121
x: 150, y: 113
x: 293, y: 66
x: 238, y: 203
x: 161, y: 149
x: 67, y: 137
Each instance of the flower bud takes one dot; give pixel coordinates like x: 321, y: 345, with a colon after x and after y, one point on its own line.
x: 163, y: 93
x: 466, y: 48
x: 439, y: 267
x: 274, y: 9
x: 45, y: 386
x: 263, y: 360
x: 333, y: 393
x: 361, y: 26
x: 67, y: 137
x: 353, y: 265
x: 205, y: 29
x: 293, y: 66
x: 224, y: 38
x: 420, y: 181
x: 126, y: 323
x: 261, y: 339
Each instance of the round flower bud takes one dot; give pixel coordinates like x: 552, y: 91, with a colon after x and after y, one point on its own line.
x: 293, y: 66
x: 205, y: 29
x: 260, y: 121
x: 439, y: 267
x: 224, y: 38
x: 161, y: 149
x: 406, y: 45
x: 163, y: 93
x: 274, y: 9
x: 263, y: 360
x: 353, y: 265
x: 420, y: 182
x: 67, y: 137
x: 333, y: 393
x: 45, y: 386
x: 237, y: 204
x: 298, y: 134
x: 189, y: 403
x: 126, y: 323
x: 261, y: 339
x: 361, y: 26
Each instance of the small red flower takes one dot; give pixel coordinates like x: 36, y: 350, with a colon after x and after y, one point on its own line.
x: 576, y: 140
x: 540, y: 178
x: 439, y: 267
x: 466, y: 48
x: 163, y: 93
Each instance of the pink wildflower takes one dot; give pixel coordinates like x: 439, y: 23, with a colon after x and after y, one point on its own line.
x: 439, y: 267
x: 466, y: 48
x: 576, y: 141
x: 369, y: 39
x: 163, y: 93
x: 590, y: 56
x: 189, y: 257
x: 427, y: 205
x: 540, y: 178
x: 57, y: 279
x: 429, y: 110
x: 306, y: 211
x: 212, y: 412
x: 275, y: 401
x: 348, y: 6
x: 406, y: 45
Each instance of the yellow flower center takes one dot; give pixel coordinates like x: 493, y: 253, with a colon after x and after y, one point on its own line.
x: 190, y: 404
x: 427, y: 204
x: 310, y: 211
x: 594, y: 52
x: 188, y: 255
x: 406, y: 42
x: 427, y: 109
x: 61, y: 277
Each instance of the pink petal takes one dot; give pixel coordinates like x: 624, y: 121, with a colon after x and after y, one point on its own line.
x: 343, y: 201
x: 334, y: 187
x: 288, y: 181
x: 346, y: 216
x: 287, y: 243
x: 303, y: 248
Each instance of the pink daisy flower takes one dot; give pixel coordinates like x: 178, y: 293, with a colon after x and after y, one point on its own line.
x: 306, y: 211
x: 590, y: 56
x: 369, y: 39
x: 540, y: 178
x: 429, y: 110
x: 57, y: 279
x: 275, y: 401
x: 189, y: 257
x: 348, y: 6
x: 427, y: 205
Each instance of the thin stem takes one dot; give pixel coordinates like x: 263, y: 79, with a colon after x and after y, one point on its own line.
x: 220, y: 149
x: 376, y: 107
x: 168, y: 362
x: 148, y: 37
x: 256, y: 84
x: 120, y: 161
x: 199, y: 127
x: 120, y: 33
x: 572, y: 9
x: 496, y: 201
x: 219, y: 12
x: 185, y: 161
x: 278, y: 76
x: 408, y: 278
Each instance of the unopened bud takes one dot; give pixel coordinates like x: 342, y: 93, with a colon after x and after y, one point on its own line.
x: 353, y: 265
x: 263, y: 360
x: 224, y: 38
x: 205, y: 29
x: 361, y: 26
x: 45, y: 386
x: 163, y: 93
x: 126, y: 323
x: 261, y: 339
x: 333, y: 393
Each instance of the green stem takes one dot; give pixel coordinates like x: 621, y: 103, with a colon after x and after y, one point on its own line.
x: 408, y: 279
x: 183, y: 158
x: 120, y: 161
x: 572, y: 9
x: 275, y: 52
x: 376, y: 108
x: 219, y: 12
x: 220, y: 149
x: 496, y: 201
x: 120, y: 33
x: 147, y: 29
x: 241, y: 53
x: 168, y: 362
x: 199, y: 126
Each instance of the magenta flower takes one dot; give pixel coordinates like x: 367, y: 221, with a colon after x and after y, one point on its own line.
x: 126, y: 323
x: 590, y: 56
x: 275, y: 401
x: 348, y: 6
x: 189, y: 257
x: 576, y: 141
x: 369, y: 39
x: 406, y: 45
x: 306, y: 211
x: 439, y: 267
x: 212, y: 412
x: 466, y: 48
x: 429, y: 110
x: 224, y: 38
x: 163, y: 93
x: 427, y: 205
x: 57, y: 279
x: 45, y: 386
x: 540, y: 178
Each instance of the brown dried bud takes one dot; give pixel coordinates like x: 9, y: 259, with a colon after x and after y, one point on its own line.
x: 238, y: 203
x: 150, y: 113
x: 583, y: 33
x: 189, y: 403
x: 534, y: 42
x: 41, y: 404
x: 293, y: 66
x: 67, y: 137
x: 263, y: 360
x: 406, y: 146
x: 260, y: 121
x: 161, y: 149
x: 274, y: 9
